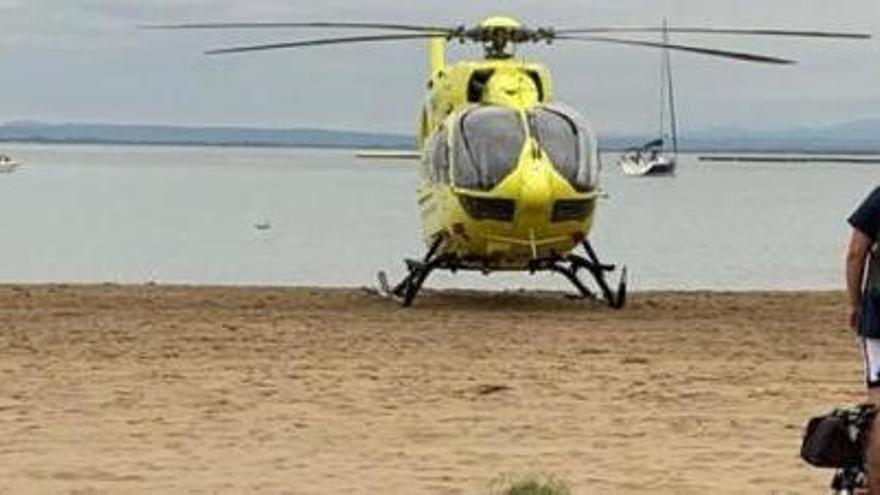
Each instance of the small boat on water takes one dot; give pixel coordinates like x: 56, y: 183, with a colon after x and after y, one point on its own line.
x: 649, y: 159
x: 7, y: 164
x: 654, y: 157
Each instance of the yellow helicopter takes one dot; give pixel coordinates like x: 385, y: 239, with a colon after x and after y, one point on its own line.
x: 509, y: 177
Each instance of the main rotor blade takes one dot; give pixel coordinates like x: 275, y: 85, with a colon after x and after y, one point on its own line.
x: 324, y: 41
x: 758, y: 32
x: 746, y: 57
x: 281, y: 25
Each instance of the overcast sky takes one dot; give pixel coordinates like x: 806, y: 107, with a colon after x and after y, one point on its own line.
x: 86, y: 61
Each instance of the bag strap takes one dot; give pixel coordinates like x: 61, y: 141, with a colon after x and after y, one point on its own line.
x: 864, y: 420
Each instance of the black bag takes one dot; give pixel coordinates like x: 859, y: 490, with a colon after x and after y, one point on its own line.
x: 838, y: 439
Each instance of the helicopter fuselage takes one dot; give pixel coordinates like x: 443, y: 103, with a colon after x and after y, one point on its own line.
x: 507, y: 176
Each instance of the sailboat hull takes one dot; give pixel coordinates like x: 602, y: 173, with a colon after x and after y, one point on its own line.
x: 7, y: 165
x: 639, y: 166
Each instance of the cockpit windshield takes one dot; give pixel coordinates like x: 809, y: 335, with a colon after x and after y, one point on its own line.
x: 567, y: 143
x: 488, y: 143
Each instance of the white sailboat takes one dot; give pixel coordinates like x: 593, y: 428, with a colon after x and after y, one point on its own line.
x: 7, y: 164
x: 657, y: 157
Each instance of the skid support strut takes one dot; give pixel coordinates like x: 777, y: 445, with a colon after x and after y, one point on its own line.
x: 615, y: 299
x: 571, y: 265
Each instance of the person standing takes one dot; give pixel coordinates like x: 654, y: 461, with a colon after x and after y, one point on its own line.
x: 863, y: 286
x: 863, y: 293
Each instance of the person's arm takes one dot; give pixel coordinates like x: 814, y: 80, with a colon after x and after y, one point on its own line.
x: 856, y: 253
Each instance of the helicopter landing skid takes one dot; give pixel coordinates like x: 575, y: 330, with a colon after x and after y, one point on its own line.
x: 419, y: 270
x: 409, y: 287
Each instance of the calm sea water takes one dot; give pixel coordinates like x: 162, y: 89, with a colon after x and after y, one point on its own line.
x: 188, y: 215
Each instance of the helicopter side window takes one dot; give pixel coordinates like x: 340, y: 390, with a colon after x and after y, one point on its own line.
x: 440, y: 157
x: 487, y: 146
x: 477, y: 84
x: 565, y: 143
x: 539, y: 84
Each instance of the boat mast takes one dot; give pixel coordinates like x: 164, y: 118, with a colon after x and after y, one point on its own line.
x: 663, y: 98
x: 667, y: 66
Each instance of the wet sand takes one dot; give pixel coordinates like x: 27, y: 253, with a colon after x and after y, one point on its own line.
x: 152, y: 389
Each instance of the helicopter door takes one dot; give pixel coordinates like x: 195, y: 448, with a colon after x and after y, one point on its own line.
x: 487, y: 144
x: 568, y: 142
x: 440, y: 157
x: 435, y: 161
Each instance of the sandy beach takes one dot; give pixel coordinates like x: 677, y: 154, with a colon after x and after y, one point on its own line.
x: 154, y: 389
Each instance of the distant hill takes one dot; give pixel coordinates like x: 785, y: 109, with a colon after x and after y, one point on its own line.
x: 856, y: 137
x: 39, y: 132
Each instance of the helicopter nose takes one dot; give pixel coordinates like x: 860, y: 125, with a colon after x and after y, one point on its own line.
x: 536, y: 192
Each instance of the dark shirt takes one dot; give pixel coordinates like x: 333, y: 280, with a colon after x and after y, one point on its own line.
x: 866, y: 218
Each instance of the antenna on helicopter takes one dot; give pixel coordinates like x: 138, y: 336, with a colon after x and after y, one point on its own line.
x: 498, y: 35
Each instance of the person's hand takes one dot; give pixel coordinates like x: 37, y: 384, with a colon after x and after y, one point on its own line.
x: 855, y: 317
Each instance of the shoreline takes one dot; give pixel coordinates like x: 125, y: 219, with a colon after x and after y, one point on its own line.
x: 695, y: 150
x: 566, y: 293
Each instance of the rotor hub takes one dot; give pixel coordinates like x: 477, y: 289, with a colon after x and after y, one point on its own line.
x: 499, y: 34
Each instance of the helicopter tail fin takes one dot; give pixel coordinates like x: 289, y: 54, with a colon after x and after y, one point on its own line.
x: 437, y: 53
